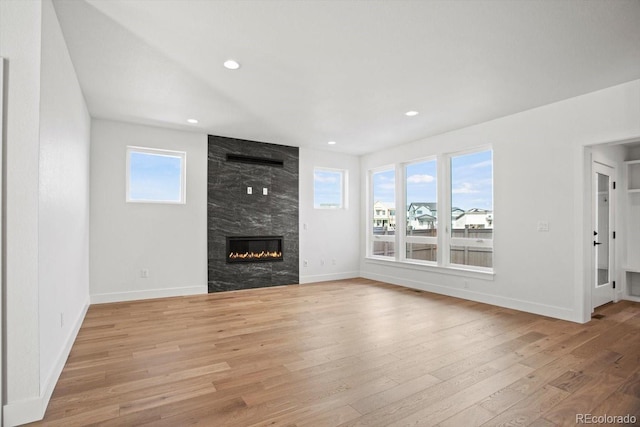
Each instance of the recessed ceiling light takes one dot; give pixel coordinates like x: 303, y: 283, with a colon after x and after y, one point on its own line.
x: 331, y: 143
x: 192, y: 121
x: 231, y: 64
x: 411, y: 113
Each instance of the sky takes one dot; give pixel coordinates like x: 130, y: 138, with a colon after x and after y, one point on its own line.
x: 327, y: 188
x: 154, y: 177
x: 471, y: 182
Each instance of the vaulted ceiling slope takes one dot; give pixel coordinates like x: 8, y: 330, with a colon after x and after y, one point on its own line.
x: 347, y: 71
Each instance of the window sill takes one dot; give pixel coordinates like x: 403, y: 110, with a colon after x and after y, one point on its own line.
x: 450, y: 271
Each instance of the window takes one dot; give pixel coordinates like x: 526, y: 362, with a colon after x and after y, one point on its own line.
x: 472, y: 209
x: 329, y: 188
x: 384, y: 224
x: 448, y: 222
x: 421, y: 196
x: 155, y: 176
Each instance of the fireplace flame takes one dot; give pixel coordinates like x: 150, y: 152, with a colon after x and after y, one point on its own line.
x: 255, y: 255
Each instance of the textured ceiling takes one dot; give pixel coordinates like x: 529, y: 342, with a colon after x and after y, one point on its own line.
x: 314, y: 71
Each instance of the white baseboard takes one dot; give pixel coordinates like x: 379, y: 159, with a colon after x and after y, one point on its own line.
x: 30, y: 410
x: 515, y: 304
x: 329, y: 277
x: 147, y: 294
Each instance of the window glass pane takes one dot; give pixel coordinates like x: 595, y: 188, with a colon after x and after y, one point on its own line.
x: 477, y: 257
x: 328, y: 189
x: 472, y: 207
x: 422, y: 251
x: 155, y: 177
x: 421, y: 188
x: 384, y: 211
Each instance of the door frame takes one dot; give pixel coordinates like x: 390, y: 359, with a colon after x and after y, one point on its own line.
x: 612, y: 261
x: 2, y: 244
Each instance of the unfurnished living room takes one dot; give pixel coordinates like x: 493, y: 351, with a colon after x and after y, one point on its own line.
x: 320, y: 213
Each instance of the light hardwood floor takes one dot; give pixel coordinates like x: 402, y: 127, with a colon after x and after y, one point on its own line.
x: 344, y: 353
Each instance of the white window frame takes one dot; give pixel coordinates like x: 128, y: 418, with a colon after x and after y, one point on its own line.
x: 344, y: 181
x: 450, y: 241
x: 182, y: 155
x: 370, y: 202
x: 404, y: 239
x: 444, y: 241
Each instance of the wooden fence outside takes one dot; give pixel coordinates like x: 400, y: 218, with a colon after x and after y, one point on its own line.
x: 479, y: 257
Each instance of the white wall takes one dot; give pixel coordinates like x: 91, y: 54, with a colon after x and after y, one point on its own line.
x: 20, y: 40
x: 329, y: 234
x: 47, y: 200
x: 169, y: 240
x: 63, y: 226
x: 538, y: 175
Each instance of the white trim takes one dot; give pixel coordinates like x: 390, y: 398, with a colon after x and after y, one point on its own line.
x: 30, y: 410
x: 582, y: 258
x: 370, y: 203
x: 448, y: 241
x: 344, y: 186
x: 511, y: 303
x: 147, y: 294
x: 182, y: 155
x: 452, y: 270
x: 329, y: 277
x: 23, y: 412
x: 2, y: 290
x: 604, y: 167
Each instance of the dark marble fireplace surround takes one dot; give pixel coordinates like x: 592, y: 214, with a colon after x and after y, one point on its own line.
x: 234, y: 165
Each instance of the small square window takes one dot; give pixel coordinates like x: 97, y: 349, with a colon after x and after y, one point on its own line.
x: 329, y: 188
x: 155, y: 176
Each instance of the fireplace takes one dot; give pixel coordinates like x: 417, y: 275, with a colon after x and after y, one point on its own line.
x: 254, y: 249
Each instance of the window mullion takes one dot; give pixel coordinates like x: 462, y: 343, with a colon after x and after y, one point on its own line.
x: 401, y: 213
x: 444, y: 216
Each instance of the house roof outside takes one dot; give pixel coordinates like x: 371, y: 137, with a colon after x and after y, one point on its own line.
x: 431, y: 205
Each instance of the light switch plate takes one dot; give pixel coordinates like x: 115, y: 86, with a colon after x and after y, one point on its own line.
x: 249, y: 190
x: 265, y: 191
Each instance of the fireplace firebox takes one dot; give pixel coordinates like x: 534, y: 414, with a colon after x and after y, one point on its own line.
x: 254, y: 249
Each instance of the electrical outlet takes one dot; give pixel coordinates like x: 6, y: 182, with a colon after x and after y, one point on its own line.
x: 144, y: 273
x: 466, y: 284
x: 249, y: 190
x: 265, y: 191
x: 305, y: 263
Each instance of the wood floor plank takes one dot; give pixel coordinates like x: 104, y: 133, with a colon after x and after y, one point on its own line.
x: 529, y: 409
x: 590, y: 395
x: 451, y: 405
x: 347, y: 352
x: 471, y: 416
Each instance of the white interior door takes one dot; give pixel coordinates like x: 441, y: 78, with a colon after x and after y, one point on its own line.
x: 603, y: 205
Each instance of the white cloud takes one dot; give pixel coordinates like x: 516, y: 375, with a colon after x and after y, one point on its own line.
x: 420, y: 179
x: 325, y: 178
x: 465, y: 188
x: 483, y: 164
